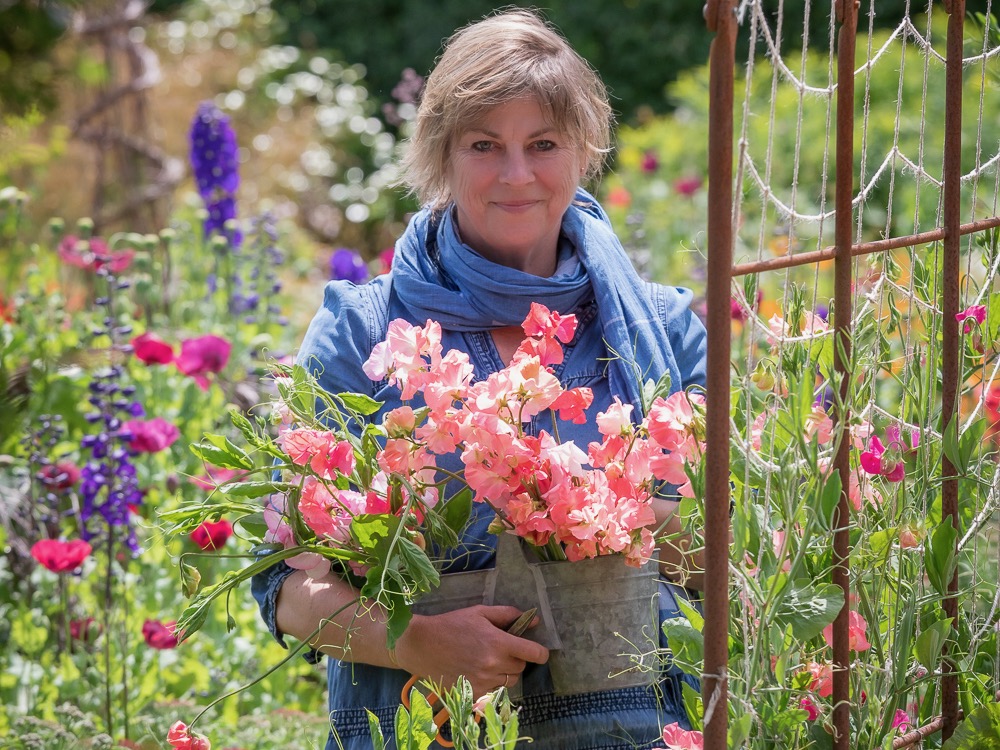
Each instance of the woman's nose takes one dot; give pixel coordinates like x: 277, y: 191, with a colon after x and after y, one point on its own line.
x: 516, y: 169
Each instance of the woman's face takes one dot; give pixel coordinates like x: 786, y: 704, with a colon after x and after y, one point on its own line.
x: 512, y: 177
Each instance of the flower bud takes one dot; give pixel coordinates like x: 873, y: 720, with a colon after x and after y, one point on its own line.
x: 85, y: 228
x: 763, y: 377
x: 57, y: 226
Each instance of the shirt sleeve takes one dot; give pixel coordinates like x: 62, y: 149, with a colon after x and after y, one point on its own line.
x: 336, y: 345
x: 686, y: 333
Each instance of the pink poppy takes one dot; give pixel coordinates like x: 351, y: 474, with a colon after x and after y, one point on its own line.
x: 856, y: 628
x: 93, y: 255
x: 151, y: 436
x: 975, y: 314
x: 160, y: 635
x: 650, y: 163
x: 152, y: 350
x: 211, y: 535
x: 677, y: 738
x: 180, y: 737
x: 59, y: 556
x: 201, y: 356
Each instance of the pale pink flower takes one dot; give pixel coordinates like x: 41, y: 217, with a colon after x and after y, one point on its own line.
x: 910, y: 537
x: 616, y: 419
x: 400, y: 422
x: 819, y: 424
x: 677, y: 738
x: 856, y: 628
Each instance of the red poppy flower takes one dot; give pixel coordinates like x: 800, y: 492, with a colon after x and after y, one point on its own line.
x: 6, y: 310
x: 59, y: 556
x: 212, y: 534
x: 59, y: 476
x: 151, y: 436
x: 203, y: 355
x: 152, y: 350
x: 93, y: 255
x: 85, y: 629
x: 160, y: 635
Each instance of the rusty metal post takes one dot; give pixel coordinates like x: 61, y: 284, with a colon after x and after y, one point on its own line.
x: 721, y: 19
x: 847, y: 16
x: 951, y: 221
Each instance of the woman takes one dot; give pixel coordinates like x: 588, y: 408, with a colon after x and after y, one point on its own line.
x: 511, y: 121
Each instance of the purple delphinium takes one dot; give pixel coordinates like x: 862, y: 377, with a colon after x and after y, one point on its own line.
x: 108, y: 482
x: 348, y: 265
x: 216, y: 169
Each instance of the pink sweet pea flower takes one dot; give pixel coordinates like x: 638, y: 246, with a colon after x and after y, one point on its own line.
x: 812, y: 711
x: 572, y: 404
x: 320, y: 450
x: 883, y: 460
x: 901, y: 721
x: 856, y: 628
x: 822, y: 679
x: 152, y: 350
x: 151, y: 436
x: 971, y: 316
x: 677, y: 738
x: 216, y: 477
x: 201, y: 356
x: 181, y: 738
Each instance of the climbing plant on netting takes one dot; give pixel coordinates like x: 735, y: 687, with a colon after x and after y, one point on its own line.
x: 864, y: 428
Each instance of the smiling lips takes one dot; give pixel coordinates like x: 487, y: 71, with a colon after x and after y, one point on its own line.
x: 515, y: 206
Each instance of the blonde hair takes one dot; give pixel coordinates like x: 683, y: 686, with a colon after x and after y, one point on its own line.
x: 511, y: 55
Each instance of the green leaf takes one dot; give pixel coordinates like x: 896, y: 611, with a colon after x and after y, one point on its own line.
x: 255, y: 489
x: 829, y: 500
x: 415, y: 730
x: 693, y: 706
x: 686, y: 644
x: 253, y: 525
x: 940, y: 558
x: 360, y: 403
x: 739, y: 730
x: 457, y: 510
x: 219, y: 450
x: 378, y: 739
x: 808, y: 607
x: 419, y: 567
x: 929, y: 643
x: 979, y: 731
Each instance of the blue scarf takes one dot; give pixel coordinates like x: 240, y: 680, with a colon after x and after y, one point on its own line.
x: 438, y: 277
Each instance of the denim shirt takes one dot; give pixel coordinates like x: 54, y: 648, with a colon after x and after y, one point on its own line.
x: 351, y: 321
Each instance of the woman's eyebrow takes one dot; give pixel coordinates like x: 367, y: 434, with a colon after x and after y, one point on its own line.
x: 491, y: 134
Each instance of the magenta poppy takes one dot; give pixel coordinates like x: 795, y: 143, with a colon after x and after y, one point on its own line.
x: 650, y: 163
x: 160, y: 635
x: 85, y: 629
x: 201, y: 356
x: 687, y: 186
x: 93, y: 254
x: 212, y: 535
x: 59, y: 556
x: 152, y: 350
x: 152, y: 435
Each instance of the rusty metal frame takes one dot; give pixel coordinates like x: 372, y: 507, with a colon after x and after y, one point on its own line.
x: 721, y: 19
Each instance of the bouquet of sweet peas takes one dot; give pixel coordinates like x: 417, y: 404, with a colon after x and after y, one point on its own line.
x: 343, y: 488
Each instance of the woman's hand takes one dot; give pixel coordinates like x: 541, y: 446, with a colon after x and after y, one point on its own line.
x: 471, y: 642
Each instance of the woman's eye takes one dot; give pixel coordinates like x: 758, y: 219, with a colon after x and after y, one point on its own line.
x: 482, y: 146
x: 545, y: 145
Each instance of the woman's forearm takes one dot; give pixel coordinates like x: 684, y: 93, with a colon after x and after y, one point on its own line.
x: 327, y: 613
x: 677, y: 561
